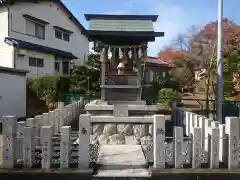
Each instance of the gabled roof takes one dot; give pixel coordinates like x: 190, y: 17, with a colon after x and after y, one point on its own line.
x: 122, y: 29
x: 71, y: 16
x: 40, y: 48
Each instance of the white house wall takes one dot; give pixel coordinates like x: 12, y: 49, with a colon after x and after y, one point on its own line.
x: 12, y: 95
x: 6, y: 51
x: 48, y: 69
x: 50, y: 12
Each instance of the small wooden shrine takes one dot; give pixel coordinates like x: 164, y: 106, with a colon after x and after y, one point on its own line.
x: 124, y: 41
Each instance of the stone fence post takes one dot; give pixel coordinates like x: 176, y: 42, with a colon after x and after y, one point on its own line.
x: 46, y: 141
x: 159, y: 141
x: 84, y: 140
x: 9, y: 126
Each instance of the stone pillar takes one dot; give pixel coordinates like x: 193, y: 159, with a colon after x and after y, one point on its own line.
x: 19, y: 141
x: 9, y: 126
x: 46, y: 141
x: 28, y: 147
x: 65, y: 147
x: 159, y: 141
x: 178, y: 145
x: 214, y: 155
x: 84, y: 139
x: 223, y: 144
x: 103, y: 60
x: 196, y: 148
x: 232, y: 130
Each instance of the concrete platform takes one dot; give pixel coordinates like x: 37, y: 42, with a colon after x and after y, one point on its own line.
x: 122, y: 161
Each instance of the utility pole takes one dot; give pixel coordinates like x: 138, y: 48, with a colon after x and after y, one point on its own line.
x: 219, y: 63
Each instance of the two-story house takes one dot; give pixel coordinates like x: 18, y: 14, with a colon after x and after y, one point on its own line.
x: 42, y: 37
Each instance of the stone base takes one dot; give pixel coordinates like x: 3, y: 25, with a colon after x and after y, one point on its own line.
x: 127, y: 102
x: 106, y: 108
x: 51, y: 174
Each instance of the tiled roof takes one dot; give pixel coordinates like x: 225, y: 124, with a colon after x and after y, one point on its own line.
x: 156, y: 61
x: 40, y: 48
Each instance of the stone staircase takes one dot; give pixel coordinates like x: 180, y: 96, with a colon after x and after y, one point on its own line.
x: 123, y: 162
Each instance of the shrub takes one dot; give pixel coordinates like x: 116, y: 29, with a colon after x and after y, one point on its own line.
x: 85, y: 80
x: 167, y: 96
x: 48, y: 88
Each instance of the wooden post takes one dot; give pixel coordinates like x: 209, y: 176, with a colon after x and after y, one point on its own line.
x: 214, y: 155
x: 103, y: 73
x: 159, y: 141
x: 84, y: 139
x: 65, y: 146
x: 46, y: 138
x: 196, y: 161
x: 232, y: 130
x: 9, y: 126
x: 28, y: 147
x: 178, y: 143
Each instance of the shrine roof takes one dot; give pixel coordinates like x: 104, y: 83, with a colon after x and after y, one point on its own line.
x: 152, y: 18
x: 122, y: 29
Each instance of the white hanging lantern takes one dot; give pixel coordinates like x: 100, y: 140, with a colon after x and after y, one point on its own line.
x: 109, y: 53
x: 140, y: 54
x: 120, y: 53
x: 130, y: 53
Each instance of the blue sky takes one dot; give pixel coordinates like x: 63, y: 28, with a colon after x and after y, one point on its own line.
x: 175, y: 16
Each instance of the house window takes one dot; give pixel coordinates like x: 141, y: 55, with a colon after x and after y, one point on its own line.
x: 62, y: 35
x: 58, y: 34
x: 36, y: 62
x: 35, y: 29
x: 65, y: 67
x: 66, y: 37
x: 57, y: 66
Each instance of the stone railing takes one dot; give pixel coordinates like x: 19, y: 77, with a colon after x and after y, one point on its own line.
x: 15, y: 131
x: 217, y: 144
x: 207, y: 143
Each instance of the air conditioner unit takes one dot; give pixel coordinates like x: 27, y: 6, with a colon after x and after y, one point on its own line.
x: 22, y: 52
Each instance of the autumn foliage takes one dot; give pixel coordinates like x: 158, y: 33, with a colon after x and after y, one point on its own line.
x: 171, y: 56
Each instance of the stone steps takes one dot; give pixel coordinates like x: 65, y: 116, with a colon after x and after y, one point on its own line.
x: 122, y: 161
